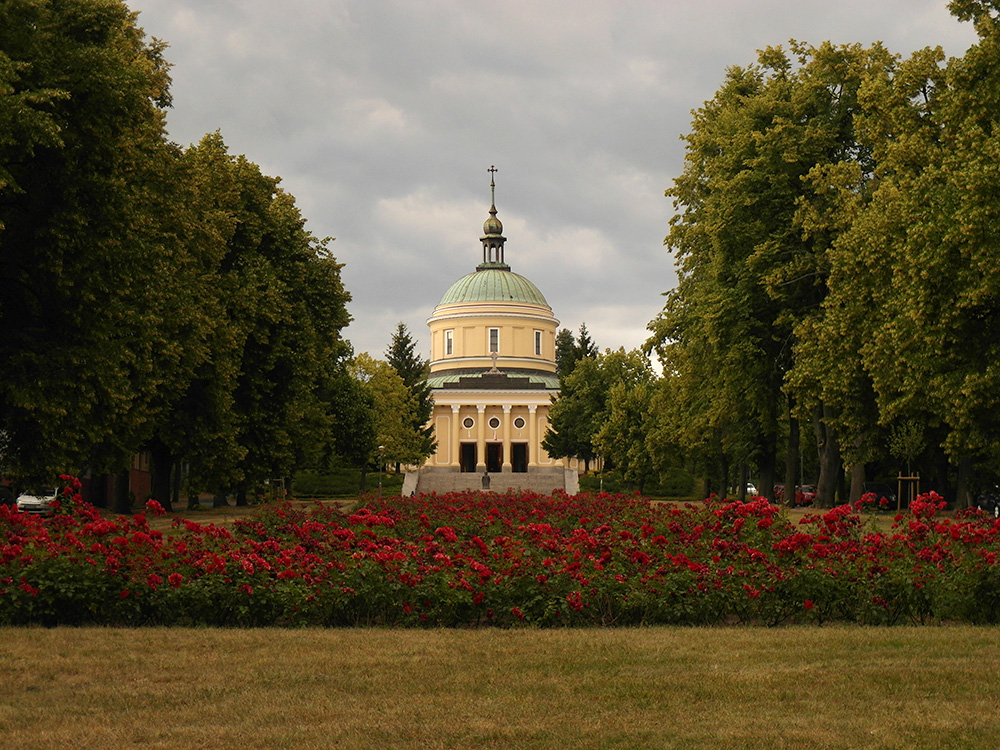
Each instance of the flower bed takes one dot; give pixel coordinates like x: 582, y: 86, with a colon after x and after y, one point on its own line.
x: 473, y: 559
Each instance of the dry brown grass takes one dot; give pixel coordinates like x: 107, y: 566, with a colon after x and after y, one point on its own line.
x: 226, y: 515
x: 659, y: 688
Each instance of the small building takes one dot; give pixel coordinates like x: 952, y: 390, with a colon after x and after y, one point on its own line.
x: 493, y: 378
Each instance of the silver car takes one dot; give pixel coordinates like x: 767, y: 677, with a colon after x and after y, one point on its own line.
x: 38, y: 501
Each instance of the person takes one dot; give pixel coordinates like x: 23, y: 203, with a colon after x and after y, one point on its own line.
x: 486, y: 479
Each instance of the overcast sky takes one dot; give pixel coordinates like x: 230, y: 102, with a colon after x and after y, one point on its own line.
x: 382, y: 118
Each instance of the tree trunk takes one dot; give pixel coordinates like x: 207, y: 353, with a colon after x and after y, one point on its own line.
x: 829, y: 457
x: 161, y: 463
x: 176, y: 483
x: 241, y: 494
x: 768, y: 460
x: 857, y: 482
x: 361, y: 485
x: 724, y: 479
x: 791, y: 458
x: 219, y: 500
x: 123, y: 501
x: 963, y: 494
x: 940, y: 480
x: 741, y: 491
x: 99, y: 491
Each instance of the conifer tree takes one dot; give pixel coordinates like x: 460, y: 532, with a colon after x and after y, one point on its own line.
x: 413, y: 370
x: 566, y: 354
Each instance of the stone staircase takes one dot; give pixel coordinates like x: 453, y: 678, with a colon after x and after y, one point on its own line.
x: 541, y: 480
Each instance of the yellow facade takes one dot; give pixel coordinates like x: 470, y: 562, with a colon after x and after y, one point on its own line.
x: 492, y: 369
x: 518, y: 327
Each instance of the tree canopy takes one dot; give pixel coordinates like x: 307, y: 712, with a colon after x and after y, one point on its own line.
x: 581, y: 408
x: 836, y: 246
x: 395, y: 409
x: 155, y: 298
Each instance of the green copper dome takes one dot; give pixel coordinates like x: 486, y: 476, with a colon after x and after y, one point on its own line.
x: 493, y: 285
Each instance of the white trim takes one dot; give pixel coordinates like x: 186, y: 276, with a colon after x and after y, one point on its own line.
x: 531, y: 363
x: 504, y: 314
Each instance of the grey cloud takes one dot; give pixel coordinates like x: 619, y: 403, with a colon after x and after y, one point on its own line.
x: 381, y: 117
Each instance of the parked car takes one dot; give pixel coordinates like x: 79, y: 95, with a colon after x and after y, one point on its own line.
x: 805, y: 494
x: 752, y: 489
x: 990, y: 503
x: 881, y: 490
x: 38, y: 501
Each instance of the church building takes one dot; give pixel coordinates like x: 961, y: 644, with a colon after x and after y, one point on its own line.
x: 492, y: 377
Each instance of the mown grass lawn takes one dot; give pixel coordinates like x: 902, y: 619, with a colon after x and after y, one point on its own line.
x: 797, y: 687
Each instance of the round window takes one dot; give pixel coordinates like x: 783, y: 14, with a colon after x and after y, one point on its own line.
x: 494, y: 423
x: 519, y: 423
x: 468, y: 423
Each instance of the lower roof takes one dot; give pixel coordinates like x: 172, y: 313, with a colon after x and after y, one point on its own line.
x: 508, y: 379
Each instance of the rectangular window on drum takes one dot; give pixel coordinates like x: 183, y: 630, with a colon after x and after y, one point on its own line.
x: 494, y: 340
x: 449, y: 343
x: 538, y: 343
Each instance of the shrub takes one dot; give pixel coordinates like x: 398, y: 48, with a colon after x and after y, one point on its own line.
x: 507, y: 560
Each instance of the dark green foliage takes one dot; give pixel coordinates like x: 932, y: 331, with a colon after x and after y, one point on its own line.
x: 151, y: 297
x: 340, y: 483
x: 566, y: 354
x: 95, y: 265
x: 582, y: 407
x: 585, y: 346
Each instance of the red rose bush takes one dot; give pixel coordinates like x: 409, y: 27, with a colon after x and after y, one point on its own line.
x: 516, y: 559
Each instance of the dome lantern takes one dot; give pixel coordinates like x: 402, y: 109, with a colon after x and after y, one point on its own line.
x: 493, y: 238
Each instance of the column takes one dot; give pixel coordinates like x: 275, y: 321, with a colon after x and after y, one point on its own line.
x: 507, y: 465
x: 533, y: 446
x: 455, y: 458
x: 481, y: 438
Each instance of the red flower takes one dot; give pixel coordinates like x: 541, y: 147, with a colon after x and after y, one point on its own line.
x: 28, y: 588
x: 808, y: 604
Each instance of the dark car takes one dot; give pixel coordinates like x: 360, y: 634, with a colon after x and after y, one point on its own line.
x: 989, y: 502
x: 881, y: 490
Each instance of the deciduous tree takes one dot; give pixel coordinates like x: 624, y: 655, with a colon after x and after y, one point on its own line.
x: 580, y: 410
x: 95, y: 264
x: 749, y: 276
x: 394, y: 407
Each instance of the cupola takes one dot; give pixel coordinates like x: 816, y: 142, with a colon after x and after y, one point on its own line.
x: 493, y: 238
